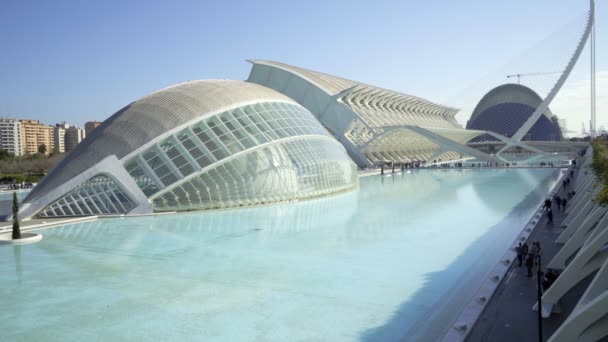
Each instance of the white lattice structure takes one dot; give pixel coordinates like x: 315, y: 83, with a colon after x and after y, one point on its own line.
x: 196, y: 145
x: 374, y: 124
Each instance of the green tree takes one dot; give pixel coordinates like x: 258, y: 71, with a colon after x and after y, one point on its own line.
x: 42, y: 149
x: 16, y: 228
x: 599, y: 166
x: 5, y: 155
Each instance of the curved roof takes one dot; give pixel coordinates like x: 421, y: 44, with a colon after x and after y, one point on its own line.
x: 508, y: 93
x: 334, y: 85
x: 149, y: 117
x: 378, y: 106
x: 506, y: 108
x: 328, y: 83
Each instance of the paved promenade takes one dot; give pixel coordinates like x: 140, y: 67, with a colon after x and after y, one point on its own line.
x: 7, y: 227
x: 509, y: 315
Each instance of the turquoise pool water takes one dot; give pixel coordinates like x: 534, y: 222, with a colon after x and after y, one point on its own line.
x: 6, y: 200
x: 397, y: 259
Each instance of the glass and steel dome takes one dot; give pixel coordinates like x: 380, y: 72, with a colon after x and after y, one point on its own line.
x: 196, y: 145
x: 505, y: 109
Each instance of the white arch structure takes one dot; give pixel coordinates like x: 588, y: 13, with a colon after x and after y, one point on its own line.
x: 544, y: 106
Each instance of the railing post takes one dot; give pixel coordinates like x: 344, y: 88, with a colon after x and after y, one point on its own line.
x: 539, y: 295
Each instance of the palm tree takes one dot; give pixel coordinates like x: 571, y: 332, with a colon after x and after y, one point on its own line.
x: 42, y: 149
x: 16, y: 229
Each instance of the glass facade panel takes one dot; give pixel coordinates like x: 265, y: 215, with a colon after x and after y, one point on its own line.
x: 281, y: 171
x: 92, y: 197
x: 284, y: 171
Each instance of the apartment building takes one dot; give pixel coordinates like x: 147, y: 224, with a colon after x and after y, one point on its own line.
x: 34, y: 134
x: 10, y: 136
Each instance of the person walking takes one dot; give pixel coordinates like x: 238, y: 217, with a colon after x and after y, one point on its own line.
x: 564, y: 201
x: 529, y: 264
x: 558, y: 201
x: 520, y: 256
x: 549, y: 217
x: 547, y: 203
x: 532, y: 251
x: 539, y: 251
x: 524, y: 249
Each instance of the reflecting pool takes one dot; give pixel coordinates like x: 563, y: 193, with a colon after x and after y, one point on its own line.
x: 6, y: 201
x: 397, y: 259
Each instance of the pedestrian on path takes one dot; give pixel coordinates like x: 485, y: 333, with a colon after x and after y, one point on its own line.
x: 564, y: 201
x: 532, y: 252
x: 549, y: 217
x: 537, y: 254
x: 529, y: 264
x: 520, y: 253
x: 547, y: 203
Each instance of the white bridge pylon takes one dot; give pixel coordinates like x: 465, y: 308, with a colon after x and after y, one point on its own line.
x: 521, y: 132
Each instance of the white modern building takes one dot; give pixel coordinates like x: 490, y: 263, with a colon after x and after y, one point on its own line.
x: 59, y: 138
x: 375, y: 124
x: 506, y: 108
x: 196, y: 145
x: 10, y: 136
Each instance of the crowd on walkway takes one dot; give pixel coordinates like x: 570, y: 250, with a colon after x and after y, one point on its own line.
x: 438, y: 163
x: 530, y: 256
x: 16, y: 186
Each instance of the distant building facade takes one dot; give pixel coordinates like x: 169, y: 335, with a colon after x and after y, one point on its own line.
x: 73, y: 137
x: 10, y: 136
x: 89, y: 126
x: 34, y: 134
x: 59, y: 138
x: 68, y: 136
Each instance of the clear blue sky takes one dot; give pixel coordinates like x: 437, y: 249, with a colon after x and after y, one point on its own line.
x: 84, y: 60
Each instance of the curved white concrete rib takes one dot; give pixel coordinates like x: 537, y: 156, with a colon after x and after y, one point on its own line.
x: 576, y: 241
x: 575, y: 223
x: 585, y: 187
x: 110, y: 167
x: 588, y: 321
x: 590, y: 258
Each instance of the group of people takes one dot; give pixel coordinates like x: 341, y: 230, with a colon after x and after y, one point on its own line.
x: 566, y: 183
x: 531, y: 255
x: 19, y: 186
x: 546, y: 164
x: 560, y: 203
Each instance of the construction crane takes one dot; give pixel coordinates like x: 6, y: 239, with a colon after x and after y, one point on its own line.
x: 533, y: 74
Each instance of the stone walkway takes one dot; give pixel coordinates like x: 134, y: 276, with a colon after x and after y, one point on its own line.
x: 7, y: 227
x: 509, y: 315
